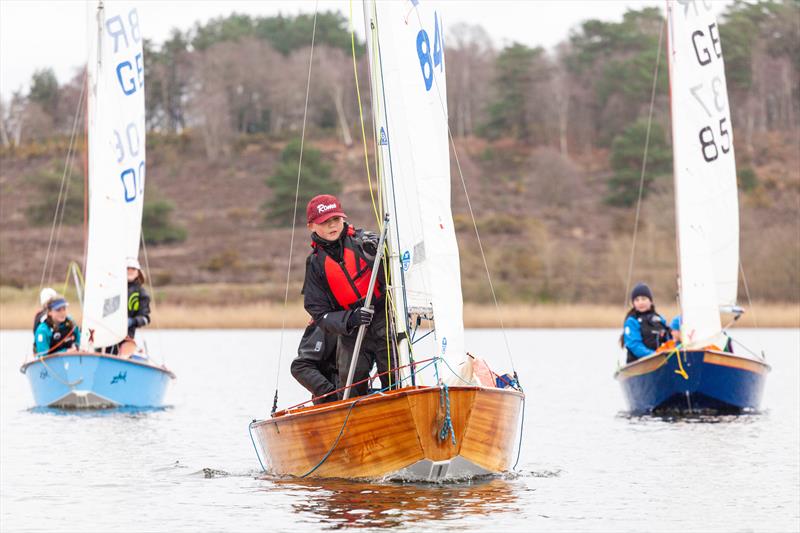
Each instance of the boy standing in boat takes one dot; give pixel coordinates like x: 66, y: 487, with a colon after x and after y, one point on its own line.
x: 337, y: 277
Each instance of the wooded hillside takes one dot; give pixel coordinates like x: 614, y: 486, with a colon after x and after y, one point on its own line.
x: 550, y: 145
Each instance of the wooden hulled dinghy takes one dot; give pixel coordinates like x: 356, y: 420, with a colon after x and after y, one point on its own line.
x: 466, y: 423
x: 395, y: 435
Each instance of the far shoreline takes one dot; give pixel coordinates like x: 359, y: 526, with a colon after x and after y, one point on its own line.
x: 16, y: 316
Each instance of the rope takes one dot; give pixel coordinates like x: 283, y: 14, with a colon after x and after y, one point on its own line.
x: 59, y: 378
x: 480, y: 246
x: 447, y: 423
x: 344, y: 424
x: 39, y: 356
x: 294, y: 213
x: 521, y: 427
x: 336, y: 442
x: 378, y: 217
x: 64, y: 178
x: 369, y: 378
x: 644, y: 165
x: 444, y: 398
x: 258, y: 455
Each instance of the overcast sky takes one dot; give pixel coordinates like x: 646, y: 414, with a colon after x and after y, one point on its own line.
x: 36, y: 34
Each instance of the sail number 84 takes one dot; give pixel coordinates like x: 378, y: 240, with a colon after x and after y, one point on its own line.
x: 426, y: 61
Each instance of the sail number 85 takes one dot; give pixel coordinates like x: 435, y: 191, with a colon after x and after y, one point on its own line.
x: 426, y: 61
x: 708, y: 142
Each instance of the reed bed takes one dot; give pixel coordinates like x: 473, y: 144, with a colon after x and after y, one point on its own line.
x: 17, y: 315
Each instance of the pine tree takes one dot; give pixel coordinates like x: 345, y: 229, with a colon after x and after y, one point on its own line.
x: 315, y: 178
x: 627, y: 152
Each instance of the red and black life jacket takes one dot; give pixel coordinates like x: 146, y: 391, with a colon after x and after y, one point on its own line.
x: 348, y: 280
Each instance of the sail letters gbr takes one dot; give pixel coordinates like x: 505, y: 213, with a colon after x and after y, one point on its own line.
x: 123, y: 40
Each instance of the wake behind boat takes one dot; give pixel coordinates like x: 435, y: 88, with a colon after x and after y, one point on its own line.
x: 116, y: 174
x: 695, y: 374
x: 465, y: 424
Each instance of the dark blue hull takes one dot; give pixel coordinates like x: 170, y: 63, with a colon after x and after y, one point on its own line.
x: 693, y: 381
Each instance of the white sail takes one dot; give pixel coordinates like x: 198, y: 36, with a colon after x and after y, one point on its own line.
x: 705, y: 171
x: 116, y: 168
x: 405, y: 41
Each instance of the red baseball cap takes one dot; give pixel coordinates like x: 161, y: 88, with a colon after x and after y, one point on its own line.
x: 323, y: 207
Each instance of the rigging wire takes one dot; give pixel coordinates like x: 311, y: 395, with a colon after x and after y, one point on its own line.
x: 644, y: 164
x: 294, y: 212
x: 152, y: 291
x: 66, y: 174
x: 750, y: 306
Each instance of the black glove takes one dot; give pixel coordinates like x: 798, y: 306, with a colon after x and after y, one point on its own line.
x: 369, y: 244
x: 361, y: 316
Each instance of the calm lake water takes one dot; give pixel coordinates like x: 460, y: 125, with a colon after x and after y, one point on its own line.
x: 584, y: 466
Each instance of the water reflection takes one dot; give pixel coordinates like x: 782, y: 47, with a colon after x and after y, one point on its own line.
x: 335, y: 504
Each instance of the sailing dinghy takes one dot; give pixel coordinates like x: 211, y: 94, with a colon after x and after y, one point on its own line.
x: 116, y: 115
x: 698, y: 375
x: 465, y: 424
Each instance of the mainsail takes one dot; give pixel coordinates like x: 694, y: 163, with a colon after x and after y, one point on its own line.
x: 405, y: 41
x: 705, y: 171
x: 116, y: 168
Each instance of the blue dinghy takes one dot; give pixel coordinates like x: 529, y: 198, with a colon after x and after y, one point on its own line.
x: 697, y: 375
x: 94, y: 380
x: 693, y: 381
x: 115, y: 196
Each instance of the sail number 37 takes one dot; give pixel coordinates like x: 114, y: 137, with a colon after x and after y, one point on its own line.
x: 427, y: 62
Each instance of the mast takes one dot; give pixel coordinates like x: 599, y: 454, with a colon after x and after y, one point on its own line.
x: 383, y: 156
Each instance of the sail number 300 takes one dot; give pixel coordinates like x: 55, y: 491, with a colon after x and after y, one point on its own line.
x: 426, y: 61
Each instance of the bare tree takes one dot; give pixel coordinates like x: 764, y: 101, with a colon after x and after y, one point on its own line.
x: 469, y: 57
x: 335, y: 79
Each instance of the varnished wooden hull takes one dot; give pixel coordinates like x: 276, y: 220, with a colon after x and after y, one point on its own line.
x: 395, y: 435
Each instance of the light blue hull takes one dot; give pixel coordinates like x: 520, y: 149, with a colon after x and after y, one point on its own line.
x: 92, y: 380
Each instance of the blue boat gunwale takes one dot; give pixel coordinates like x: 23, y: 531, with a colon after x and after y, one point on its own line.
x: 59, y: 355
x: 658, y: 359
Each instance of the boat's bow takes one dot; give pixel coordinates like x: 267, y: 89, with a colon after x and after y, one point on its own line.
x: 94, y: 380
x: 402, y: 434
x: 693, y: 380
